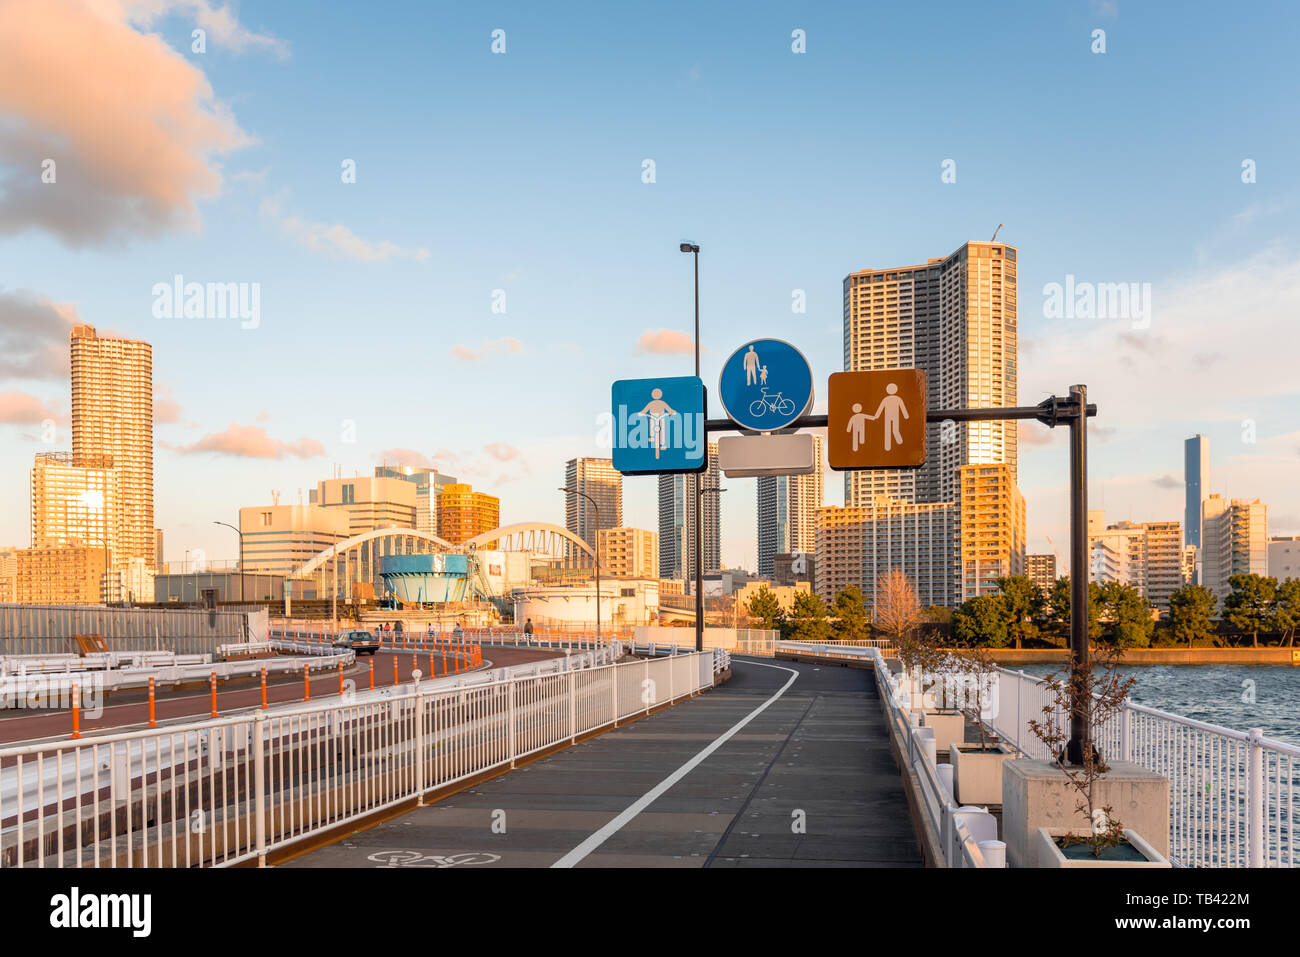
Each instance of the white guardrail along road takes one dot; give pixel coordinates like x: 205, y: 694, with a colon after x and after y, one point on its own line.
x: 228, y: 790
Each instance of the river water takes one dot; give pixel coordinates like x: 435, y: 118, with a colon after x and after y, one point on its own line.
x: 1240, y: 697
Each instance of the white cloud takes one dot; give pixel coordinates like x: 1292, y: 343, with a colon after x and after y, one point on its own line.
x: 337, y: 239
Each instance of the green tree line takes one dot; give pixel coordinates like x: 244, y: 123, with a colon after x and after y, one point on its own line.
x: 1021, y: 614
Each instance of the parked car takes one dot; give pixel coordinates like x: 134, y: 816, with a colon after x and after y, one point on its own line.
x: 362, y: 642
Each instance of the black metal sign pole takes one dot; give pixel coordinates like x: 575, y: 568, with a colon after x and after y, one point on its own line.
x: 1074, y: 412
x: 1081, y: 710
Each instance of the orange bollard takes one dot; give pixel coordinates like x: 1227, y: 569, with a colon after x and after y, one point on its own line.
x: 443, y: 646
x: 340, y: 677
x: 76, y: 710
x: 263, y: 689
x: 430, y: 662
x: 395, y: 682
x: 152, y: 721
x: 306, y: 683
x: 415, y: 662
x: 212, y: 681
x: 372, y: 672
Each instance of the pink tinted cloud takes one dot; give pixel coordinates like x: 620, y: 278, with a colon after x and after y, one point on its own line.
x: 22, y: 408
x: 1031, y: 433
x: 131, y: 125
x: 166, y: 410
x: 501, y: 451
x: 492, y: 347
x: 405, y: 457
x: 250, y: 442
x: 665, y: 342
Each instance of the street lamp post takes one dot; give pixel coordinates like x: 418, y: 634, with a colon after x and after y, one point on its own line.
x: 334, y: 587
x: 694, y: 480
x: 240, y: 567
x: 699, y: 570
x: 596, y: 509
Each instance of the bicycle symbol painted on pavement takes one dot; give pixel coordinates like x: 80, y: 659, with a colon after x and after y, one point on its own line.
x: 417, y: 859
x: 771, y: 402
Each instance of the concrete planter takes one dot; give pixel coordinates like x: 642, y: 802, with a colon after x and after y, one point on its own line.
x: 949, y: 726
x: 1049, y: 854
x: 1037, y: 794
x: 978, y: 774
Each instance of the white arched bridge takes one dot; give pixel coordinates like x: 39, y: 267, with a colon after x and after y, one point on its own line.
x: 540, y: 538
x: 356, y: 560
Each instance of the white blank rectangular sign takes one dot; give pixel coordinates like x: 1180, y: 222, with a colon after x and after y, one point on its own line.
x: 746, y: 456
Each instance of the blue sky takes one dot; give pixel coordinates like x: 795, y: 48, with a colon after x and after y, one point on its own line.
x: 522, y: 172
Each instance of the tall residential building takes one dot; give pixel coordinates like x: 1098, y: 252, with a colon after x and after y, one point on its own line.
x: 428, y: 483
x: 629, y: 552
x: 1041, y: 570
x: 1196, y: 479
x: 599, y: 479
x: 955, y: 318
x: 464, y: 513
x: 858, y: 544
x: 74, y: 501
x: 112, y: 418
x: 677, y: 494
x: 1234, y: 541
x: 1147, y: 555
x: 280, y: 538
x: 991, y: 527
x: 787, y: 512
x: 1284, y: 557
x: 370, y: 503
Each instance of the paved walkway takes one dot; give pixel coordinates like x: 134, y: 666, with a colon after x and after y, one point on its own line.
x: 809, y: 781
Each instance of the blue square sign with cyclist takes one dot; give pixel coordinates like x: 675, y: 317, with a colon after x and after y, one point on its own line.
x: 658, y: 425
x: 765, y: 385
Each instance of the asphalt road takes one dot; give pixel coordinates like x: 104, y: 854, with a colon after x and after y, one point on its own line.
x: 128, y: 709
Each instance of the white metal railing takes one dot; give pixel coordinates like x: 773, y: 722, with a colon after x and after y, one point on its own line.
x: 1234, y: 796
x: 845, y: 648
x: 226, y: 790
x: 959, y: 829
x: 99, y: 661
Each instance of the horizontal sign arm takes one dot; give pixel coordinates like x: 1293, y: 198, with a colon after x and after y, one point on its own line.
x: 1051, y: 412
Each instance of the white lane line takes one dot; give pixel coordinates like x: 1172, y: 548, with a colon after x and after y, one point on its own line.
x: 609, y: 830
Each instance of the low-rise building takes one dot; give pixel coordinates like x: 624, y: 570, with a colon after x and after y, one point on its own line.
x: 278, y: 539
x: 464, y: 513
x: 785, y: 594
x: 1284, y: 557
x: 1041, y: 570
x: 1148, y: 556
x: 857, y: 545
x: 70, y: 574
x: 1234, y: 541
x: 629, y: 552
x: 381, y: 501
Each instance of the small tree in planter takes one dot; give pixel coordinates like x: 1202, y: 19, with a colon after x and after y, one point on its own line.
x: 979, y: 671
x: 977, y: 766
x: 1095, y: 680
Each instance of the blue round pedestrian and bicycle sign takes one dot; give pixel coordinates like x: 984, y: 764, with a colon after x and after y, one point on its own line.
x: 765, y: 385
